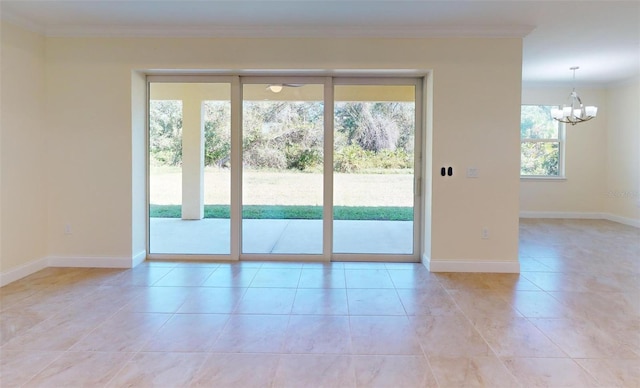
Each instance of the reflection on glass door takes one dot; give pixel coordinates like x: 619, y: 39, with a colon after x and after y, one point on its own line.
x: 189, y: 161
x: 282, y: 157
x: 374, y: 136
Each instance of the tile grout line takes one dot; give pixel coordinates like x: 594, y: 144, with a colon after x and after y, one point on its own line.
x: 422, y: 348
x: 484, y: 339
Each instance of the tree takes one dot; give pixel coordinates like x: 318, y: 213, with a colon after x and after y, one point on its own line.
x: 289, y: 134
x: 376, y: 126
x: 540, y: 146
x: 217, y: 133
x: 282, y: 134
x: 165, y: 131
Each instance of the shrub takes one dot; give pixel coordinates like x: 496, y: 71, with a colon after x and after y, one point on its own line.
x: 265, y: 157
x: 302, y: 158
x: 397, y: 159
x: 351, y: 158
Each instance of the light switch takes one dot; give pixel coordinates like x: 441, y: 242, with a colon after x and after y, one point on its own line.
x: 472, y: 172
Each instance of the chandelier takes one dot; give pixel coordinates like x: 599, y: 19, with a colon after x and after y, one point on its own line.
x: 574, y: 112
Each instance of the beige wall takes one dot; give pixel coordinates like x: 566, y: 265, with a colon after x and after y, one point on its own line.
x: 602, y: 158
x: 93, y: 143
x: 80, y: 160
x: 24, y: 159
x: 95, y: 128
x: 622, y: 197
x: 471, y: 130
x: 585, y: 156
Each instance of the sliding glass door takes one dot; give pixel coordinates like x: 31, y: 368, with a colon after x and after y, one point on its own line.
x: 189, y: 168
x: 373, y: 176
x: 282, y: 158
x: 284, y: 168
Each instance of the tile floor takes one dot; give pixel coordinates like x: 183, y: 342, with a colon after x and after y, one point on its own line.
x: 571, y: 318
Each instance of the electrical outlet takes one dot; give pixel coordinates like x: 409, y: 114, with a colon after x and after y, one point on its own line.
x: 485, y: 233
x: 67, y: 228
x: 472, y: 172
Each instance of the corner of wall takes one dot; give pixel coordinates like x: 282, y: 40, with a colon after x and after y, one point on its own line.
x: 138, y: 162
x: 622, y: 192
x: 23, y: 201
x: 23, y: 270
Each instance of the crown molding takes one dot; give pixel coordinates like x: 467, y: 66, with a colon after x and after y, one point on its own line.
x: 269, y: 31
x: 257, y: 31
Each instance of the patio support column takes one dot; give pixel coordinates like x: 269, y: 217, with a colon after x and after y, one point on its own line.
x: 192, y: 159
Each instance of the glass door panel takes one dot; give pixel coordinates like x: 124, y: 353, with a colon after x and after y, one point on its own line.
x: 189, y: 161
x: 373, y: 182
x: 282, y: 156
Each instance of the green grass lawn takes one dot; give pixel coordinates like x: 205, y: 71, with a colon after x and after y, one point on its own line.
x: 379, y: 213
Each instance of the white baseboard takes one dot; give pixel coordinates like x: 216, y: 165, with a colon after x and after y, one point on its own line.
x: 90, y: 262
x: 470, y: 266
x: 79, y: 262
x: 582, y: 215
x: 622, y: 220
x: 473, y: 266
x: 23, y: 271
x: 195, y: 258
x: 139, y: 258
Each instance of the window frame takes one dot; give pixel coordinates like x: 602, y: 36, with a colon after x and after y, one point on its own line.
x: 561, y: 140
x: 329, y: 79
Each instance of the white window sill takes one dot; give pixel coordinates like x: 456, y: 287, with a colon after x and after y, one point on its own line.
x: 532, y: 178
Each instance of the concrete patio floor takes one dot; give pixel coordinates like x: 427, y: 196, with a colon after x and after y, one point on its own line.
x: 211, y: 236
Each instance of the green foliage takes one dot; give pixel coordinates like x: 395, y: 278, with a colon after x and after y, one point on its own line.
x: 264, y: 156
x: 373, y: 213
x: 539, y: 157
x: 536, y: 122
x: 165, y: 131
x: 378, y: 213
x: 280, y: 135
x: 263, y: 212
x: 353, y: 158
x: 289, y: 135
x: 376, y: 126
x: 302, y: 159
x: 397, y: 159
x: 217, y: 133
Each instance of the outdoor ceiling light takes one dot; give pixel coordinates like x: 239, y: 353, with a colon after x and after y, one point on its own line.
x: 574, y: 112
x: 276, y: 88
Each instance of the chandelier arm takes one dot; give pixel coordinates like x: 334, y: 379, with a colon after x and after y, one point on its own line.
x: 574, y: 122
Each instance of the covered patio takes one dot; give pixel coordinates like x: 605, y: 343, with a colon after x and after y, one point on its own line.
x: 272, y: 236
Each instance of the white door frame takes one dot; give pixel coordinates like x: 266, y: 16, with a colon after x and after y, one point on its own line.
x: 236, y: 82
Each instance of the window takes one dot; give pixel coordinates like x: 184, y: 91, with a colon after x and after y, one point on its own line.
x: 541, y: 142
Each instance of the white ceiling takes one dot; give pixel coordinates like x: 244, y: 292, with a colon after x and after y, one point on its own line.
x: 602, y: 37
